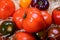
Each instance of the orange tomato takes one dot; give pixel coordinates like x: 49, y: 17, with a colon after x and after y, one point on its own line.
x: 25, y: 3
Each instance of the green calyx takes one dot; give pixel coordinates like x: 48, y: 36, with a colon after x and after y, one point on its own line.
x: 40, y: 2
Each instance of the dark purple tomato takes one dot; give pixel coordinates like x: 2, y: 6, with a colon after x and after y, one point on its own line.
x: 40, y: 4
x: 34, y: 3
x: 54, y: 32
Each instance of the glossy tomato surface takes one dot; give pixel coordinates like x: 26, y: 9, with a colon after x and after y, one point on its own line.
x: 47, y: 18
x: 7, y: 8
x: 40, y: 4
x: 56, y: 15
x: 23, y: 36
x: 34, y: 21
x: 54, y: 32
x: 18, y: 18
x: 29, y: 19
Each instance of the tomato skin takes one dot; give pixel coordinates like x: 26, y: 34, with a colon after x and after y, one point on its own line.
x: 56, y: 16
x: 18, y: 17
x: 25, y: 3
x: 33, y: 22
x: 23, y: 36
x: 47, y: 18
x: 7, y: 8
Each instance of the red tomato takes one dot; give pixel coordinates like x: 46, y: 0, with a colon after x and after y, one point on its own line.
x: 7, y: 8
x: 47, y: 18
x: 56, y: 15
x: 30, y: 19
x: 0, y: 0
x: 23, y: 36
x: 18, y: 17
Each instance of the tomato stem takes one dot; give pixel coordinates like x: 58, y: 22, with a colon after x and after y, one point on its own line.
x: 24, y: 15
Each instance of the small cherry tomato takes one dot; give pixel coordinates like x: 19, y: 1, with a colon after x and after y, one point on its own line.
x: 29, y: 19
x: 23, y: 36
x: 25, y: 3
x: 7, y: 8
x: 56, y: 15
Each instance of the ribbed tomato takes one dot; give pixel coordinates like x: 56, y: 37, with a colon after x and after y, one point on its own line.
x: 29, y: 19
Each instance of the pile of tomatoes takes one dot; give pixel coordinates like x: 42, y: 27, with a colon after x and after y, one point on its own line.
x: 31, y: 21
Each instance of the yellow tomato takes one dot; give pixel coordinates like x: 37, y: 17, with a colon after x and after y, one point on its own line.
x: 25, y: 3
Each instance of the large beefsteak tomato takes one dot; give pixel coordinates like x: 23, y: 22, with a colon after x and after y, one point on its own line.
x: 29, y: 19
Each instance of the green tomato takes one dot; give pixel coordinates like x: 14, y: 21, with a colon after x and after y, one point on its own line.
x: 7, y: 27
